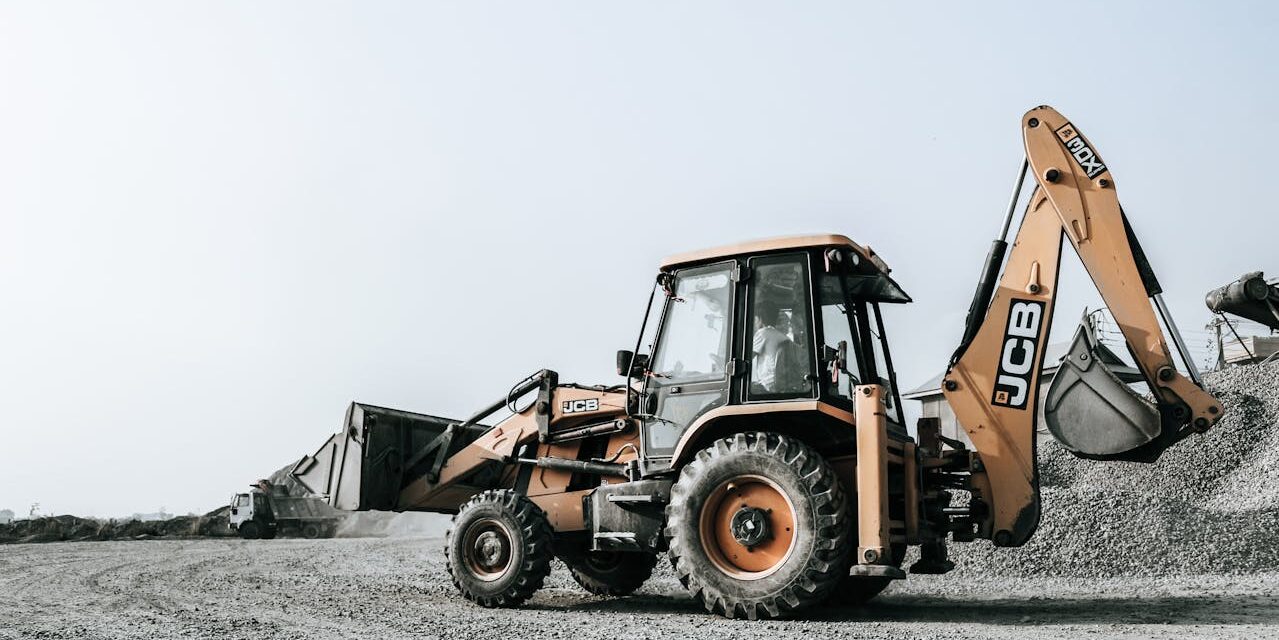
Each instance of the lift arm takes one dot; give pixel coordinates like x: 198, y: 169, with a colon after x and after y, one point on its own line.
x: 993, y: 382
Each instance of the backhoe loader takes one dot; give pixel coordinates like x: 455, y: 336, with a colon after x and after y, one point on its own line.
x: 759, y: 439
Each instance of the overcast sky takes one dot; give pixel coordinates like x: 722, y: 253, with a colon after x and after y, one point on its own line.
x: 222, y: 222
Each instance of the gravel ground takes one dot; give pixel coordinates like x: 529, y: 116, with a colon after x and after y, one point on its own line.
x: 398, y: 588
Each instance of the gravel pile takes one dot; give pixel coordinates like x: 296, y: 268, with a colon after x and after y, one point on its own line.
x: 1209, y: 505
x: 76, y: 529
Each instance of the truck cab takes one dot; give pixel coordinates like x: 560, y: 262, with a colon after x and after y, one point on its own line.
x: 781, y: 330
x: 251, y: 516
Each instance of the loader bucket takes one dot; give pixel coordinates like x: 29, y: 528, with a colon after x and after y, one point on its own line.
x: 1090, y: 411
x: 367, y: 464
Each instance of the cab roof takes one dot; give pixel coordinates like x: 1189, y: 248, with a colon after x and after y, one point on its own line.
x: 769, y: 245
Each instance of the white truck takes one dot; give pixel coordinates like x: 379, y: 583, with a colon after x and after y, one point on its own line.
x: 268, y: 510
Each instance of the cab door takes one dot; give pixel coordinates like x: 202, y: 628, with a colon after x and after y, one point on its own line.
x: 262, y: 508
x: 689, y: 370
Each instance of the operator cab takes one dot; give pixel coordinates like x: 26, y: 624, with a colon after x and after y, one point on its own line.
x: 779, y: 329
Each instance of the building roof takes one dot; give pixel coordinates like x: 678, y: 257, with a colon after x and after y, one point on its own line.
x: 773, y: 244
x: 1052, y: 359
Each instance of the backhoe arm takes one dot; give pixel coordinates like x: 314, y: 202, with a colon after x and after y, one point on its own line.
x: 993, y: 383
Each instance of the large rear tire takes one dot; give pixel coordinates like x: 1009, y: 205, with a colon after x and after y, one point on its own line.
x: 609, y: 573
x: 311, y: 531
x: 758, y: 527
x: 499, y: 549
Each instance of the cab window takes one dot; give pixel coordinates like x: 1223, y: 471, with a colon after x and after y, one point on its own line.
x: 693, y: 344
x: 779, y: 340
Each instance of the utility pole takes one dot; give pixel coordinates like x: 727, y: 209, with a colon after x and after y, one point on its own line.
x: 1215, y: 325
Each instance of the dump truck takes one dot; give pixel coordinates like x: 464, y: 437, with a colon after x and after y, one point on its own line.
x: 758, y: 438
x: 268, y: 510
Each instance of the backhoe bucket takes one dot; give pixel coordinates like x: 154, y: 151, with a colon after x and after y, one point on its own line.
x: 1090, y: 410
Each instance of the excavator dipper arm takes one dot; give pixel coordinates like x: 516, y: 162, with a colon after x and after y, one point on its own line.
x: 993, y: 383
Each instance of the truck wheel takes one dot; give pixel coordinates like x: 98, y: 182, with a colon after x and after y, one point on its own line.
x: 311, y: 531
x: 250, y: 530
x: 609, y: 573
x: 499, y: 549
x: 268, y: 533
x: 758, y: 526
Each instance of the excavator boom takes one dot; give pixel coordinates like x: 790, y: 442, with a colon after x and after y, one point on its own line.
x: 994, y: 379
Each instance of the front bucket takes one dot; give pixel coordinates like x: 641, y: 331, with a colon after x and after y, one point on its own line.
x: 1090, y: 410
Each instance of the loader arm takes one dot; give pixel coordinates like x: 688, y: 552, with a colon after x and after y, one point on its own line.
x: 993, y: 382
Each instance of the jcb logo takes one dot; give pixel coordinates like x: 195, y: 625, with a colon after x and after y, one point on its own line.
x: 1083, y: 154
x: 581, y: 406
x: 1017, y: 359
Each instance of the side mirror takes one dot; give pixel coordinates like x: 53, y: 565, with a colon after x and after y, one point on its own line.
x: 624, y: 359
x: 630, y: 363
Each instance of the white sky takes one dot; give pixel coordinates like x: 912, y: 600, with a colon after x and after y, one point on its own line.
x: 222, y: 222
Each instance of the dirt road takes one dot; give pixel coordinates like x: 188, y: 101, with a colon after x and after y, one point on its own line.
x: 397, y: 588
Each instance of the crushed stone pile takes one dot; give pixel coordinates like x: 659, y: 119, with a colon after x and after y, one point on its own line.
x: 283, y: 480
x: 1210, y: 504
x: 74, y: 528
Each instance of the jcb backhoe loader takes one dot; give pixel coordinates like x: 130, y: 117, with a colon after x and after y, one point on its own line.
x: 759, y: 439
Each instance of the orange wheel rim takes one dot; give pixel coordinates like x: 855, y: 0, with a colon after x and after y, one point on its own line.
x: 747, y: 527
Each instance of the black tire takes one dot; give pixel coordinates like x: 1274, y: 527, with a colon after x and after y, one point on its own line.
x: 250, y: 530
x: 499, y: 549
x: 858, y: 590
x: 609, y: 573
x: 750, y: 470
x: 268, y: 533
x: 311, y: 531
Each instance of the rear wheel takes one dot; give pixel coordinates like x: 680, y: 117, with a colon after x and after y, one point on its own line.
x: 311, y: 531
x: 609, y: 573
x: 758, y: 526
x: 499, y: 549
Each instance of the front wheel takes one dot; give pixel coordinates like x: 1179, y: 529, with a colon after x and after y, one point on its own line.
x: 251, y: 530
x: 499, y: 549
x: 758, y: 526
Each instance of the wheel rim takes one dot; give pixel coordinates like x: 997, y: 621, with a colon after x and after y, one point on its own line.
x: 747, y: 527
x: 487, y: 549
